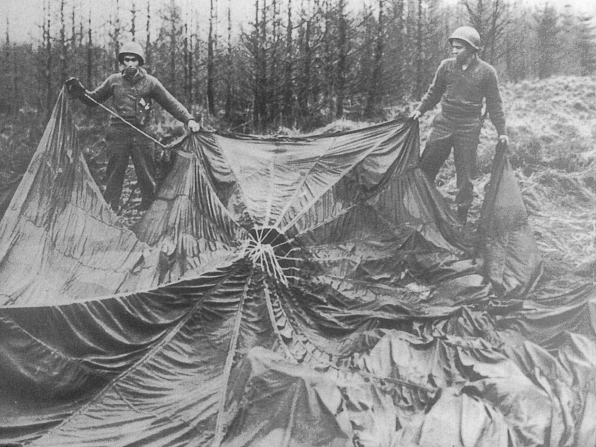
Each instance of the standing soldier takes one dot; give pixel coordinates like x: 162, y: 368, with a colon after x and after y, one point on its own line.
x: 132, y: 91
x: 461, y: 84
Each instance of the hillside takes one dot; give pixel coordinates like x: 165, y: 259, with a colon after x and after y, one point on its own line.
x: 552, y: 127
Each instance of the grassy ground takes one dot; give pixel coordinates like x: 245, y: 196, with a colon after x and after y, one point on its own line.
x: 552, y: 128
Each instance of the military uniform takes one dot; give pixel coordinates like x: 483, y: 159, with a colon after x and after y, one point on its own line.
x: 132, y: 92
x: 132, y: 99
x: 459, y: 122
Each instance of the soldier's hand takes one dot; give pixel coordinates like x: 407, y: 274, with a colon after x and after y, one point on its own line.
x: 193, y: 126
x: 504, y: 139
x: 75, y: 88
x: 415, y: 114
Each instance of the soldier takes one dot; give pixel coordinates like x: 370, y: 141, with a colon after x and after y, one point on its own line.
x: 132, y: 91
x: 461, y: 84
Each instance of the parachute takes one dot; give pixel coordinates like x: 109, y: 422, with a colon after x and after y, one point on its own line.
x: 311, y: 291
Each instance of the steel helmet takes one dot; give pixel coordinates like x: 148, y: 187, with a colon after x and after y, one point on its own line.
x: 132, y: 48
x: 468, y: 35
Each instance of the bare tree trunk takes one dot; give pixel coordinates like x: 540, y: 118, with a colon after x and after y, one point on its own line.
x: 288, y: 82
x: 260, y: 104
x: 342, y: 61
x: 173, y: 48
x: 329, y: 78
x: 116, y: 35
x: 148, y: 34
x: 229, y: 96
x: 48, y: 57
x: 493, y: 41
x: 63, y: 44
x: 398, y: 76
x: 211, y: 61
x: 264, y: 81
x: 186, y: 54
x: 133, y: 19
x: 90, y: 57
x: 272, y: 85
x: 305, y: 82
x: 8, y: 94
x: 73, y: 35
x: 420, y: 54
x: 191, y: 59
x: 374, y: 85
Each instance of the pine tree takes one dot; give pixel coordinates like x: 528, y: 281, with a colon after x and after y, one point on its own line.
x: 586, y: 45
x: 547, y: 33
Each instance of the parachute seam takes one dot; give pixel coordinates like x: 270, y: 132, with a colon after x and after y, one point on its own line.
x: 316, y: 198
x: 303, y: 181
x: 167, y: 338
x: 54, y: 351
x: 219, y: 425
x: 237, y: 181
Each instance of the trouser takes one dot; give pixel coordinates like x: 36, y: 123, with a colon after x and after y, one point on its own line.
x: 124, y: 143
x: 463, y: 137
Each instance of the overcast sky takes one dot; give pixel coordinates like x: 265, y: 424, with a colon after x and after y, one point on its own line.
x: 24, y: 16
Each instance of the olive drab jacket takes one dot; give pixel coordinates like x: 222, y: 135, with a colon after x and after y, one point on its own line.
x: 461, y: 92
x: 132, y: 98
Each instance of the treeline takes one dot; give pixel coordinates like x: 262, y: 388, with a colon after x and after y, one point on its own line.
x: 296, y: 63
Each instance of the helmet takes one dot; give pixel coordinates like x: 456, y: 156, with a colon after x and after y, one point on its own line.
x: 132, y: 48
x: 468, y: 35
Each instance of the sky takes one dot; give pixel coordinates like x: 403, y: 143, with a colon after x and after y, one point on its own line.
x: 23, y: 17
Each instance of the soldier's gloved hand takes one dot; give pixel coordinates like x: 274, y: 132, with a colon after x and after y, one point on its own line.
x: 415, y: 114
x: 75, y: 88
x: 193, y: 126
x: 504, y: 139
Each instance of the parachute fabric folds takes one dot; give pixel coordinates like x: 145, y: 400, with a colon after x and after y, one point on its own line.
x: 187, y: 221
x: 59, y: 241
x: 512, y: 261
x: 284, y: 291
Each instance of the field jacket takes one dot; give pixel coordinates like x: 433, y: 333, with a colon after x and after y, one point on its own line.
x: 462, y: 92
x: 131, y: 98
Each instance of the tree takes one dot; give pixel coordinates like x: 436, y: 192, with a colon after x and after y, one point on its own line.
x: 342, y: 58
x: 116, y: 31
x: 288, y: 86
x: 48, y: 59
x: 229, y: 89
x: 396, y: 60
x: 166, y: 51
x: 490, y: 18
x: 63, y: 43
x: 90, y: 55
x: 306, y: 57
x: 133, y: 20
x: 372, y: 100
x: 586, y: 45
x: 547, y: 33
x: 148, y: 25
x: 211, y: 59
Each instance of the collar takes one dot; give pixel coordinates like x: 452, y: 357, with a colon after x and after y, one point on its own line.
x: 473, y: 62
x: 140, y: 74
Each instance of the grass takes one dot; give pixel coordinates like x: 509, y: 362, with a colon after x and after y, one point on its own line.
x: 552, y: 129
